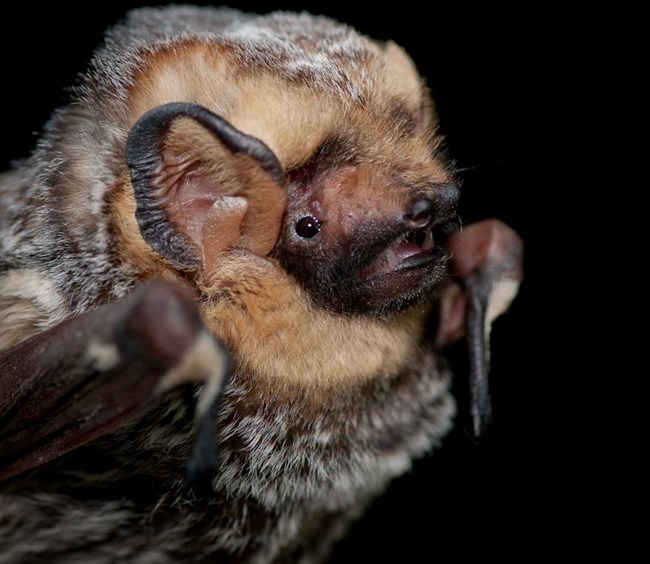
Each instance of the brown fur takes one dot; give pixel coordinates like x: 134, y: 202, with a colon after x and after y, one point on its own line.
x: 266, y: 319
x: 267, y: 107
x: 26, y: 304
x: 324, y: 406
x: 272, y: 341
x: 133, y: 250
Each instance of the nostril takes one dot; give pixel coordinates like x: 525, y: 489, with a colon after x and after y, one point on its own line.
x: 420, y: 214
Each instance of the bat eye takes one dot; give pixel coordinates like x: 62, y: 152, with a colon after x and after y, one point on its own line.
x: 308, y: 227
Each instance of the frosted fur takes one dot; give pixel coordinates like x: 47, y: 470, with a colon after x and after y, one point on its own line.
x: 298, y: 46
x: 325, y: 464
x: 82, y: 144
x: 295, y: 466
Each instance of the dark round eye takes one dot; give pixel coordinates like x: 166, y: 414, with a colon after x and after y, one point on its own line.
x: 308, y: 227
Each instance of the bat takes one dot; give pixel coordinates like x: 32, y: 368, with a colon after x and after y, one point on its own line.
x: 228, y: 274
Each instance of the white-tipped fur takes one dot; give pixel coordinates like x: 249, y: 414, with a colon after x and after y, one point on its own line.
x: 318, y: 417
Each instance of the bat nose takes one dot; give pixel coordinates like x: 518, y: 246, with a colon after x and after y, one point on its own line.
x: 420, y: 214
x: 446, y: 198
x: 424, y: 210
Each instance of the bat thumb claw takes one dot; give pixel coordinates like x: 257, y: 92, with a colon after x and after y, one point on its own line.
x: 481, y: 411
x: 209, y: 364
x: 203, y: 463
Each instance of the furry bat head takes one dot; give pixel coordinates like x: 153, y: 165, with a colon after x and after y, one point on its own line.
x: 354, y: 202
x: 288, y: 172
x: 358, y: 238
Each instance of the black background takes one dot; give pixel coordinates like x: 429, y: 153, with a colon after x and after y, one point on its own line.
x: 467, y: 498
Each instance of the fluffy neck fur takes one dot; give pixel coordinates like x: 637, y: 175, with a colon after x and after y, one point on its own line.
x: 292, y: 475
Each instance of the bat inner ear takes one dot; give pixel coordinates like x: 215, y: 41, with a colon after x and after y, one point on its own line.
x: 202, y: 186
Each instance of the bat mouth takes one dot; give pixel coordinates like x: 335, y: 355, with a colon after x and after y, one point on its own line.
x: 413, y: 249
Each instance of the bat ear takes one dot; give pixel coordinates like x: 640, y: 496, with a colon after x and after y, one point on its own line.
x: 486, y: 269
x: 201, y: 186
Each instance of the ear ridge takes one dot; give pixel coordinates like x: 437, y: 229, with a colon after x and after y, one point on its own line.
x: 176, y: 187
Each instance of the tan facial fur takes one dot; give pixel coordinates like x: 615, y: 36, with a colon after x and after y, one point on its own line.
x: 256, y: 308
x: 264, y: 317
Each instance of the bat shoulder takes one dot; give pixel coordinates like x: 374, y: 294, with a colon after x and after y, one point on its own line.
x: 29, y: 303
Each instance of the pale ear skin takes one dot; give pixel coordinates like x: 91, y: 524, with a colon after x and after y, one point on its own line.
x: 486, y: 268
x: 201, y: 186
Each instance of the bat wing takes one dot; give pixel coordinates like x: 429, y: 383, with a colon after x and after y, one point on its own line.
x: 486, y: 269
x: 93, y: 373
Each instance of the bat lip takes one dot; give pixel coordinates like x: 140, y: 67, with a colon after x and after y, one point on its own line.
x: 405, y: 270
x: 422, y: 259
x: 404, y: 286
x: 413, y: 265
x: 411, y: 249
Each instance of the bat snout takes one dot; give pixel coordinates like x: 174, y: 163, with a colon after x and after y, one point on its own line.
x: 425, y: 212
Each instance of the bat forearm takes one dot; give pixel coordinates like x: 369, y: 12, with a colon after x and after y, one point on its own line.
x: 91, y: 373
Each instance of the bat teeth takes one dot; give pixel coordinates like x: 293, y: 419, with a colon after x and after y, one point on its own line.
x: 423, y: 238
x: 429, y: 241
x: 392, y: 259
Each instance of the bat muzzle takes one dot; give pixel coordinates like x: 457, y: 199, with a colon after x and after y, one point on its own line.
x: 416, y: 246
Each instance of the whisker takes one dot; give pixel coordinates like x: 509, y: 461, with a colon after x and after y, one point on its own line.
x: 478, y: 166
